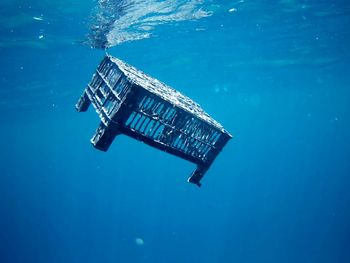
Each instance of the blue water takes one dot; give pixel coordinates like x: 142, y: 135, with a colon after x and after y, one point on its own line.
x: 276, y: 74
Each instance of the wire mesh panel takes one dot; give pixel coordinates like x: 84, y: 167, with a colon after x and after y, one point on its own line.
x: 132, y: 103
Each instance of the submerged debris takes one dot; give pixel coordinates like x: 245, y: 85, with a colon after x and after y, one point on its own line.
x: 132, y: 103
x: 139, y: 241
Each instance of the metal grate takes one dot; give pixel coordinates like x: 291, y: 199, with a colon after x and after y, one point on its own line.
x: 130, y: 102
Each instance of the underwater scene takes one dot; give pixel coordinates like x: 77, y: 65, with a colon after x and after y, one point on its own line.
x: 273, y: 74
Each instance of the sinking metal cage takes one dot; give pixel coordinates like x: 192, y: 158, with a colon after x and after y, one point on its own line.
x: 132, y: 103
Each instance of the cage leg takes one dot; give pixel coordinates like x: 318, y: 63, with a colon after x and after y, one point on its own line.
x: 197, y: 175
x: 83, y: 103
x: 104, y: 137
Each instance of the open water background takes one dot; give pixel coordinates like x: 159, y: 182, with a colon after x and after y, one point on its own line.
x: 276, y: 74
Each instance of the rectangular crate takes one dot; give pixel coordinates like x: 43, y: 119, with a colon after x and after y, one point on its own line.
x: 132, y: 103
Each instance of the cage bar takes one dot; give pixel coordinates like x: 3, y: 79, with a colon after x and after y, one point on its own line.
x: 132, y: 103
